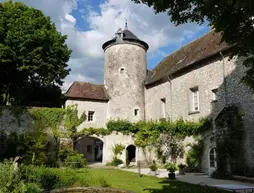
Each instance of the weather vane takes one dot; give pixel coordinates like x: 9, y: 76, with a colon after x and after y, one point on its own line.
x: 126, y: 24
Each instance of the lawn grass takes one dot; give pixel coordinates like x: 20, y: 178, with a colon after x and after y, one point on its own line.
x: 145, y: 184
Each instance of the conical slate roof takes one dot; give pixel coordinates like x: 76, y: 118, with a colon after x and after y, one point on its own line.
x: 127, y: 36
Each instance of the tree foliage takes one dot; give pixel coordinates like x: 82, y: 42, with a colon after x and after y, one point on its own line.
x: 32, y: 51
x: 233, y: 18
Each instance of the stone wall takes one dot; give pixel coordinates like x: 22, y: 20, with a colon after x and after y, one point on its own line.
x: 108, y: 143
x: 14, y: 122
x: 218, y: 73
x: 124, y: 76
x: 99, y: 107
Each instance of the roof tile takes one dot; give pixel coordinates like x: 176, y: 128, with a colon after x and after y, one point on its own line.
x: 195, y: 51
x: 84, y: 90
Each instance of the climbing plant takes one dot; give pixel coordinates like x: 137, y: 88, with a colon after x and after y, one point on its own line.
x: 228, y: 138
x: 72, y: 121
x: 118, y: 149
x: 47, y: 118
x: 41, y: 140
x: 155, y: 134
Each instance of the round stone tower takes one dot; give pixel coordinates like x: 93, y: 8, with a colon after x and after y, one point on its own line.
x: 125, y: 70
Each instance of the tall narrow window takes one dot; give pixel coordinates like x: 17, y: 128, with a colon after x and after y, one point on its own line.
x: 212, y: 158
x: 136, y: 112
x: 163, y: 108
x: 195, y: 99
x: 90, y: 115
x: 214, y: 94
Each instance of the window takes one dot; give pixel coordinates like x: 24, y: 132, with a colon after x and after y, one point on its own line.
x: 90, y: 115
x: 136, y: 112
x: 195, y: 99
x: 214, y: 94
x: 163, y: 108
x: 121, y: 70
x: 89, y: 148
x: 212, y: 158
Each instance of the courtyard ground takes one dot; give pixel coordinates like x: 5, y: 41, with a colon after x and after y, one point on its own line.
x: 193, y: 178
x: 146, y: 184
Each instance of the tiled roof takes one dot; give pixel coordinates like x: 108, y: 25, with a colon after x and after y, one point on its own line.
x: 193, y: 52
x: 128, y: 36
x: 84, y: 90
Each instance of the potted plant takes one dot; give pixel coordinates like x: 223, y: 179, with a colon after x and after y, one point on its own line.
x: 171, y: 167
x: 153, y: 168
x: 182, y: 169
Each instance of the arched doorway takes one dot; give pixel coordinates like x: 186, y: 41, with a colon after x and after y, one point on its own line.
x: 91, y: 147
x: 212, y: 160
x: 131, y: 151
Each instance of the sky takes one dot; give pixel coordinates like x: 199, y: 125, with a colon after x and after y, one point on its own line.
x: 90, y: 23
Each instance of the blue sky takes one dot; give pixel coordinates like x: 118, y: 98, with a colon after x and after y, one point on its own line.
x: 89, y: 23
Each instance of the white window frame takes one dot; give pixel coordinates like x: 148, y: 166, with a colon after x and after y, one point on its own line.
x: 195, y: 104
x: 214, y: 95
x: 214, y: 158
x: 163, y: 107
x: 90, y: 116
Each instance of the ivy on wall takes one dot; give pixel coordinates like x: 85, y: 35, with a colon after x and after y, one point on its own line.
x: 41, y: 142
x: 228, y: 138
x: 148, y: 132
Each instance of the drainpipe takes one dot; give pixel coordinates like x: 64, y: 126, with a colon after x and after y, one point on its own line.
x: 224, y: 79
x: 170, y: 90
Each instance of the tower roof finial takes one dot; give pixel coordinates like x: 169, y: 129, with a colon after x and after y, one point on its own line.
x: 126, y: 24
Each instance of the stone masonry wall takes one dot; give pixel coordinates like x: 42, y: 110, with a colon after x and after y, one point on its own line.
x: 10, y: 123
x: 100, y: 109
x: 124, y: 76
x: 178, y: 98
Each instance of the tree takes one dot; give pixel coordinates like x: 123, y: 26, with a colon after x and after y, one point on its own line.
x: 32, y: 51
x: 233, y: 18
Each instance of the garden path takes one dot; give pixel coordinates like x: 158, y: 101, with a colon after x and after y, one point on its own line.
x: 193, y: 178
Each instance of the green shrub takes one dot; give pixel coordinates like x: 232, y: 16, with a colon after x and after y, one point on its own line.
x: 171, y: 167
x: 76, y: 160
x: 115, y: 162
x: 10, y: 180
x: 194, y: 156
x: 103, y: 183
x: 50, y: 178
x: 153, y: 167
x: 181, y: 166
x: 33, y: 188
x: 118, y: 149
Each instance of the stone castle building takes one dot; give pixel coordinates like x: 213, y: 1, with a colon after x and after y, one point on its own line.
x: 196, y: 81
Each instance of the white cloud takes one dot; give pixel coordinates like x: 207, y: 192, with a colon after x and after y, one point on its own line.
x: 70, y: 18
x: 87, y: 57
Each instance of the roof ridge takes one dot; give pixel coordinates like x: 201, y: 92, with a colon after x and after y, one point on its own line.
x: 203, y: 47
x: 89, y: 83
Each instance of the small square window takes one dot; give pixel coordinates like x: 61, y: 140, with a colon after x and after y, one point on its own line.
x: 90, y: 115
x: 89, y: 148
x: 121, y: 70
x: 136, y: 111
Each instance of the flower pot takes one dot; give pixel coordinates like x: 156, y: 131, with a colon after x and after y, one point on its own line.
x: 171, y: 175
x: 181, y: 172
